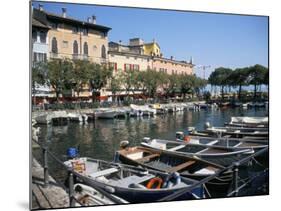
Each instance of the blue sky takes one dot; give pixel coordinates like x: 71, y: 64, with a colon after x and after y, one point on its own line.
x: 211, y: 39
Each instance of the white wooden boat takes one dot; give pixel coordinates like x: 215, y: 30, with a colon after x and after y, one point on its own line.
x: 105, y: 114
x: 55, y: 117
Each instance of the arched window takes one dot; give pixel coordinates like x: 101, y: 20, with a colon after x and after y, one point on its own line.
x: 85, y: 48
x: 54, y: 45
x: 103, y: 52
x: 75, y: 47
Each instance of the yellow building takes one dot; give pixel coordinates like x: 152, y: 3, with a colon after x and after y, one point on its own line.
x: 74, y: 39
x: 152, y: 49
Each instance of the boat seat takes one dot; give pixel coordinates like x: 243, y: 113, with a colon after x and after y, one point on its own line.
x: 147, y: 158
x: 176, y: 148
x: 181, y: 166
x: 104, y: 172
x: 125, y: 182
x: 212, y: 142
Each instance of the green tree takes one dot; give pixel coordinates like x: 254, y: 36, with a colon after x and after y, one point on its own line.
x: 130, y: 81
x: 80, y: 75
x: 39, y: 76
x: 219, y: 78
x: 116, y: 84
x: 59, y: 74
x: 98, y: 78
x: 257, y: 76
x: 187, y: 84
x: 239, y: 77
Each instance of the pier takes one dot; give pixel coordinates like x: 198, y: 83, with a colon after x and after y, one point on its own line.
x: 50, y: 195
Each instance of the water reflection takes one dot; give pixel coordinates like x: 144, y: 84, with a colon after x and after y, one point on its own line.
x: 101, y: 139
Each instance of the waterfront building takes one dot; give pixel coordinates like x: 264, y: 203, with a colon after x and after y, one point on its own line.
x: 172, y: 66
x: 122, y: 57
x: 138, y: 55
x: 74, y: 39
x: 39, y: 53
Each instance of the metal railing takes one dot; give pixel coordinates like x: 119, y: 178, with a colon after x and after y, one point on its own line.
x: 71, y: 174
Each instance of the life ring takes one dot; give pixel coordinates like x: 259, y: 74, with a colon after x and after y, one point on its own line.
x: 186, y: 139
x: 151, y: 183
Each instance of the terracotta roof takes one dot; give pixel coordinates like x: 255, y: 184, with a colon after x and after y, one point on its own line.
x: 74, y: 21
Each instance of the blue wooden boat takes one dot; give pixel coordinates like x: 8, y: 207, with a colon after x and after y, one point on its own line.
x: 130, y: 183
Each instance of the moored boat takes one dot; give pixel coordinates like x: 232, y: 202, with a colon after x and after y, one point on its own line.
x: 212, y: 151
x: 130, y: 183
x: 189, y: 167
x: 248, y: 122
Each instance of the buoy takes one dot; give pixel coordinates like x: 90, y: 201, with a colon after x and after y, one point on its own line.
x: 186, y: 139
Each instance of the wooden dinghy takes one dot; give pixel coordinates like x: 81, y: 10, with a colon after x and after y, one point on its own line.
x: 130, y: 183
x: 210, y: 150
x: 189, y: 167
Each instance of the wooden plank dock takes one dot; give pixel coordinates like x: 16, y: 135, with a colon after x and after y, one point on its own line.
x: 52, y: 196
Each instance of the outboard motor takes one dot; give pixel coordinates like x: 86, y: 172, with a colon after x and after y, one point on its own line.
x: 72, y: 152
x: 179, y: 135
x: 190, y: 129
x: 172, y: 180
x: 124, y: 144
x: 146, y: 140
x: 207, y: 125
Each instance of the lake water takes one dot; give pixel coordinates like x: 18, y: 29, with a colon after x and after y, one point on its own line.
x: 100, y: 139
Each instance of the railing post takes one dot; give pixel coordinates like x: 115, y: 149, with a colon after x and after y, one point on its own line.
x: 46, y: 169
x: 71, y: 191
x: 235, y: 178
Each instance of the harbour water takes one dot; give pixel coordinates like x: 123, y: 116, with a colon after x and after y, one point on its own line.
x: 100, y: 139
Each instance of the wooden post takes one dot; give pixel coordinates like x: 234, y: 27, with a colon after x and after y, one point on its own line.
x: 71, y: 191
x: 46, y: 170
x: 235, y: 178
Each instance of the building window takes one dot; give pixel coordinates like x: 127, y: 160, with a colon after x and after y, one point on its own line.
x: 103, y: 52
x: 43, y: 36
x: 113, y: 65
x: 75, y: 29
x: 85, y: 31
x: 85, y: 48
x: 65, y: 44
x: 136, y: 67
x: 127, y: 67
x: 75, y: 47
x: 54, y: 45
x: 39, y: 57
x: 34, y: 36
